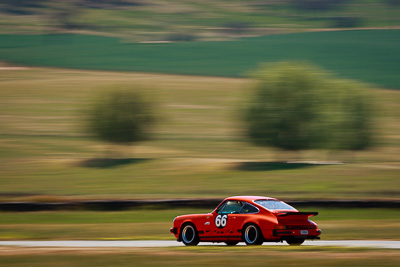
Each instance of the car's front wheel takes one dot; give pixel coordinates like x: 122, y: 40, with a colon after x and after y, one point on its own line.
x: 189, y: 235
x: 252, y: 234
x: 295, y: 241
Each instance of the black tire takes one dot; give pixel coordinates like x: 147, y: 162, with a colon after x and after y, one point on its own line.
x: 231, y: 243
x: 295, y: 241
x: 252, y: 235
x: 189, y: 235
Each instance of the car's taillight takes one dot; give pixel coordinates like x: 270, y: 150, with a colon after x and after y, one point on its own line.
x: 280, y: 227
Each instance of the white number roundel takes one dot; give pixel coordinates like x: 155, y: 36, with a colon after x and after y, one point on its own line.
x: 221, y: 220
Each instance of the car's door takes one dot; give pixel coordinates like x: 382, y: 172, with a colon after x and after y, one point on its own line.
x: 222, y: 222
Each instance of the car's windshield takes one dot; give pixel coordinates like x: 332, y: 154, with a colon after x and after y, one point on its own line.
x: 274, y: 205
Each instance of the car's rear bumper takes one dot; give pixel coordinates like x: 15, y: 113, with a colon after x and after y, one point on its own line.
x: 300, y: 234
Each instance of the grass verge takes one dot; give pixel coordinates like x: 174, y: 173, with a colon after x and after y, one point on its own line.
x: 150, y: 224
x: 221, y: 256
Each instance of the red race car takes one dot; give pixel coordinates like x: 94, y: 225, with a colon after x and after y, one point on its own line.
x: 251, y: 219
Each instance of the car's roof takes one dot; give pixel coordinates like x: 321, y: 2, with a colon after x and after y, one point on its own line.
x: 249, y: 198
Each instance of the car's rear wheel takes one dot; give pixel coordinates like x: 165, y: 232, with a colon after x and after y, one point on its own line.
x: 295, y: 241
x: 252, y: 234
x: 189, y: 235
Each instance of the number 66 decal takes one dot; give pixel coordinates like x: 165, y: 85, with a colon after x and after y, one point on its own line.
x: 221, y: 220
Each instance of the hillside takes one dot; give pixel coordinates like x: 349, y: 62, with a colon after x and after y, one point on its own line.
x: 198, y: 150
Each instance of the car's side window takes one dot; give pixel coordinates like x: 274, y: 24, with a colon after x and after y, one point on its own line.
x: 247, y: 208
x: 231, y: 206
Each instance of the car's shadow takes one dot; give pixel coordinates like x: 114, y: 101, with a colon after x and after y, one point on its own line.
x: 272, y: 166
x: 111, y: 162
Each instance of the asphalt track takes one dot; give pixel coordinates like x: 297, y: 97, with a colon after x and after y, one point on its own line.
x: 170, y: 243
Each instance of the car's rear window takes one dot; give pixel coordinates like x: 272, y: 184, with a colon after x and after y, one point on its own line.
x: 274, y: 204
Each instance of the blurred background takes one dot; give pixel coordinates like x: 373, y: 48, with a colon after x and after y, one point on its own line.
x: 181, y: 20
x: 134, y: 99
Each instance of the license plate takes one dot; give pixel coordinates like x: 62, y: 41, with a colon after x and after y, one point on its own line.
x: 304, y: 232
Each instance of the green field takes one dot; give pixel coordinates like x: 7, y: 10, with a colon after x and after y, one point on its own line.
x: 367, y: 55
x: 201, y: 256
x: 238, y: 256
x: 151, y: 224
x: 198, y: 148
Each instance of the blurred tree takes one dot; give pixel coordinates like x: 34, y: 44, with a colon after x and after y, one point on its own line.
x: 180, y: 37
x: 236, y: 26
x: 121, y: 117
x: 298, y: 106
x: 109, y: 3
x: 64, y: 18
x: 317, y: 5
x: 394, y: 3
x: 21, y: 7
x: 346, y: 22
x: 349, y: 111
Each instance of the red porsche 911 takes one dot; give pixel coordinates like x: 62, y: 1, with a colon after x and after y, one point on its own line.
x: 249, y: 219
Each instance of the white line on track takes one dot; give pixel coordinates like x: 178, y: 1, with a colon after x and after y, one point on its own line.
x: 167, y: 243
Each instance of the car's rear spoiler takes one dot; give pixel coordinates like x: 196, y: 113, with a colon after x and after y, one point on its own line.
x: 309, y: 214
